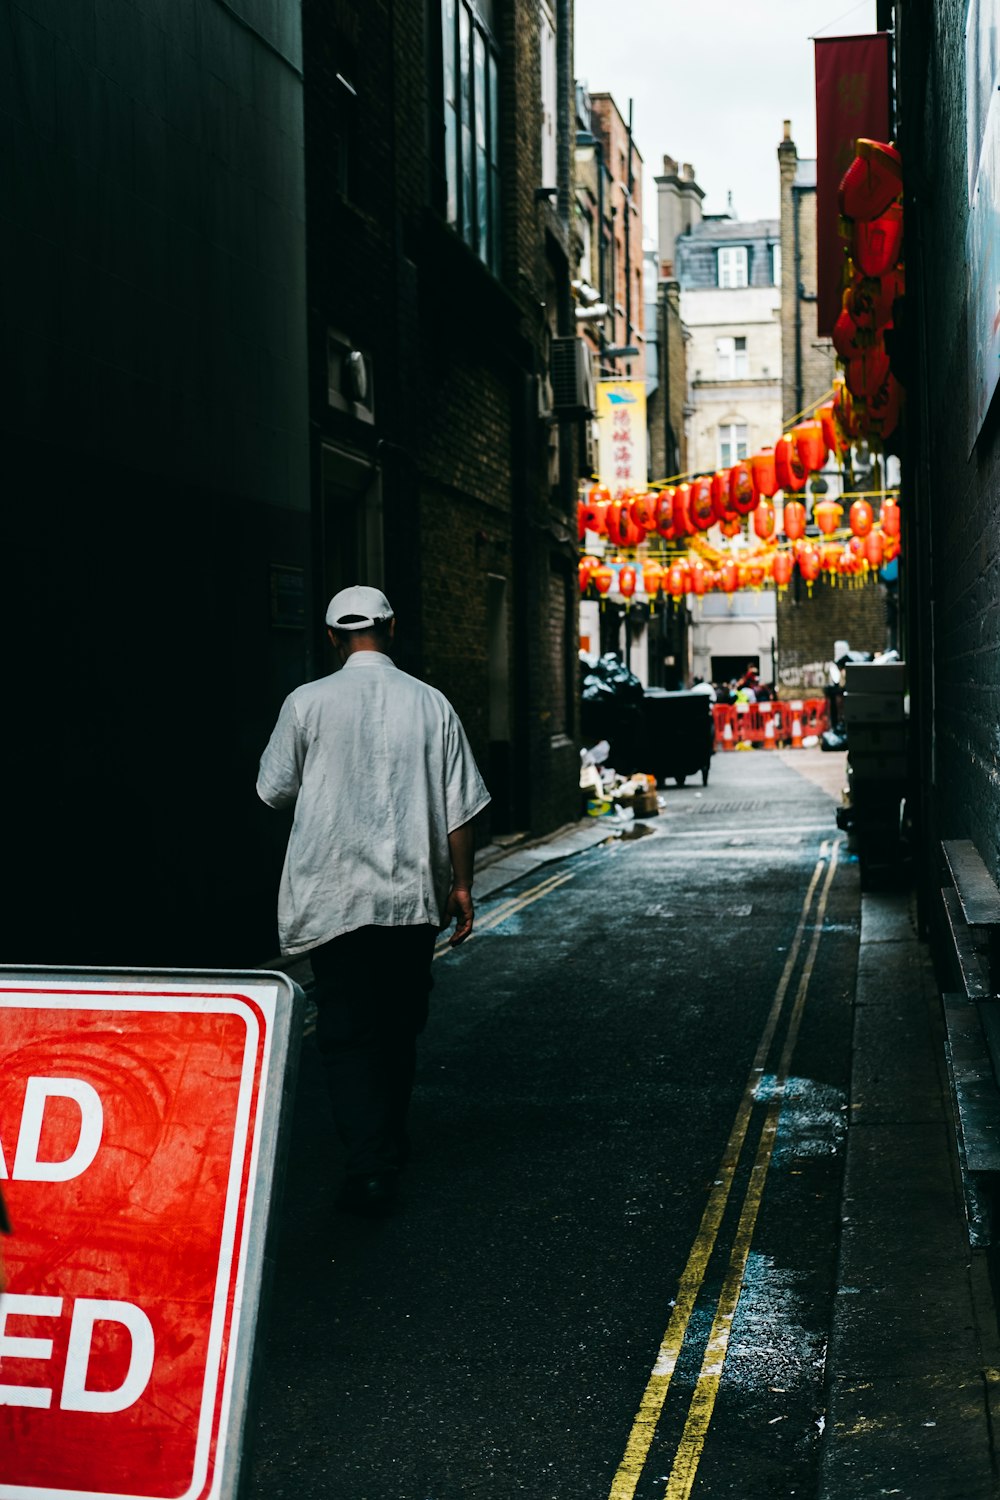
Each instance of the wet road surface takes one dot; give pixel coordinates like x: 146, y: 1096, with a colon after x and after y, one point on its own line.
x: 611, y: 1268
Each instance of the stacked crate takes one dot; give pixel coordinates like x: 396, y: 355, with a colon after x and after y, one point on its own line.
x: 875, y: 715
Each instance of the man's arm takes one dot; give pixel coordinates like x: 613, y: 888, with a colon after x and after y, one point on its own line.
x: 280, y: 775
x: 461, y: 847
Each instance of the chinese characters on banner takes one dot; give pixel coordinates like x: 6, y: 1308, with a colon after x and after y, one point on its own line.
x: 621, y: 425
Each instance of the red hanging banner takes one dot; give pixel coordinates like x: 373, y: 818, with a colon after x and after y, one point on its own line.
x: 852, y: 100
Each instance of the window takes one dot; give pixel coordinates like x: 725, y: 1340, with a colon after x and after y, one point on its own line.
x: 731, y: 358
x: 547, y: 27
x: 732, y: 443
x: 733, y: 265
x: 776, y: 264
x: 472, y: 125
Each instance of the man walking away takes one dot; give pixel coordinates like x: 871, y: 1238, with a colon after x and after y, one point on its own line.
x: 379, y: 860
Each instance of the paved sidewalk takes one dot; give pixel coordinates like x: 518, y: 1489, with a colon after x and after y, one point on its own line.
x: 914, y: 1347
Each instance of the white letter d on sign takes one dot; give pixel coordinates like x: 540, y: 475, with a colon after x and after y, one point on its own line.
x: 27, y: 1167
x: 87, y: 1312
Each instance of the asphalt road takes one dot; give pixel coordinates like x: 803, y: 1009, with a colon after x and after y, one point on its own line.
x: 611, y: 1268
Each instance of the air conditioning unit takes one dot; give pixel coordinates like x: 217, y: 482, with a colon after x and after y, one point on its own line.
x: 571, y: 373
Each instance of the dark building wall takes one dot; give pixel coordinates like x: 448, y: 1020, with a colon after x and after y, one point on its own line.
x: 951, y: 497
x: 153, y: 429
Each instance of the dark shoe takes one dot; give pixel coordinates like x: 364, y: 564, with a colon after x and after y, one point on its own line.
x: 371, y: 1196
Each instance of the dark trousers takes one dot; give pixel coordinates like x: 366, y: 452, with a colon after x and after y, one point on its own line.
x: 372, y: 991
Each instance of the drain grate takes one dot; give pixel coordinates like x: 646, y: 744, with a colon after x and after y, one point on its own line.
x: 708, y: 808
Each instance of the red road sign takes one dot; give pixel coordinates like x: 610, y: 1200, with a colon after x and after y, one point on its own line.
x: 139, y: 1137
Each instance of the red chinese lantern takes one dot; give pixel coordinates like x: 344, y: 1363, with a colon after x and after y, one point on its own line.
x: 626, y: 581
x: 827, y: 514
x: 764, y: 521
x: 788, y: 467
x: 622, y: 530
x: 861, y: 518
x: 830, y: 556
x: 878, y: 243
x: 602, y: 578
x: 781, y: 569
x: 847, y: 421
x: 810, y: 444
x: 890, y: 548
x: 721, y: 498
x: 729, y: 576
x: 848, y: 563
x: 756, y: 572
x: 850, y: 338
x: 742, y: 497
x: 586, y: 570
x: 873, y: 549
x: 699, y: 577
x: 765, y: 479
x: 652, y: 578
x: 868, y: 373
x: 831, y: 435
x: 810, y: 563
x: 883, y: 408
x: 869, y: 299
x: 643, y: 511
x: 665, y: 514
x: 591, y: 515
x: 700, y: 507
x: 675, y: 581
x: 794, y: 521
x: 731, y: 528
x: 872, y: 182
x: 890, y: 516
x: 683, y: 525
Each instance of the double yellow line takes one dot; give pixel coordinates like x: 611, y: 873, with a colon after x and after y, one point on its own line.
x: 689, y: 1450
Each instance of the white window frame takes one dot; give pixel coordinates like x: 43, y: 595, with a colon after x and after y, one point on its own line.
x: 733, y: 266
x: 734, y: 443
x: 731, y: 357
x: 776, y: 264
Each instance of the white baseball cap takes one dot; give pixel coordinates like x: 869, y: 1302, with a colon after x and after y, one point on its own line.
x: 358, y: 608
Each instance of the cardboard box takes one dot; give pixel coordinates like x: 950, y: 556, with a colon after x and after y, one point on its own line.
x: 883, y: 739
x: 872, y: 677
x: 873, y: 708
x: 646, y: 805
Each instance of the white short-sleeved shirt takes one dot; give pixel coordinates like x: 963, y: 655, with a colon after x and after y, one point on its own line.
x: 379, y: 770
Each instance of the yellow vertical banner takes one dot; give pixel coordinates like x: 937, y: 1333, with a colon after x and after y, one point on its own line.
x: 621, y: 435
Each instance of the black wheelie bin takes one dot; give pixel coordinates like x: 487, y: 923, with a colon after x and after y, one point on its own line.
x: 681, y: 734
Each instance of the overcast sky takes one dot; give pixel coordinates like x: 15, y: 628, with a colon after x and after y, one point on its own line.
x: 711, y: 82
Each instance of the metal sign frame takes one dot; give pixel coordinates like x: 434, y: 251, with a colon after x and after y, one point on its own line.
x: 265, y: 1147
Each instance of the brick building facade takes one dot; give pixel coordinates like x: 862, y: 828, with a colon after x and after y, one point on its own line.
x: 439, y: 264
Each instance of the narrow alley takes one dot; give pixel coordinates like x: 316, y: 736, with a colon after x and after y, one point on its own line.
x: 614, y: 1262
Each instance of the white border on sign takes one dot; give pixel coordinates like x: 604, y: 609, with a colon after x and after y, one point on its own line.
x: 36, y: 994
